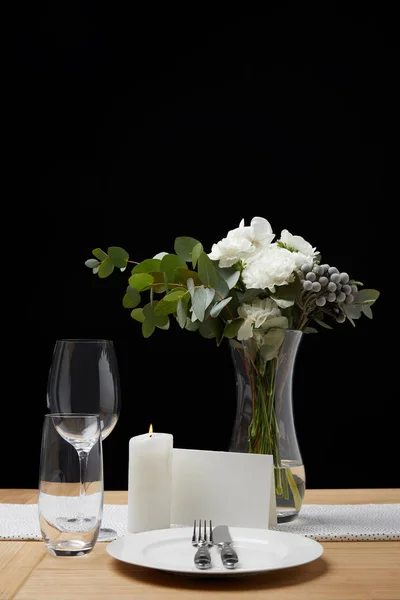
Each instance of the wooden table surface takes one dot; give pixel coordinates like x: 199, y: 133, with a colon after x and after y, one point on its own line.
x: 345, y: 571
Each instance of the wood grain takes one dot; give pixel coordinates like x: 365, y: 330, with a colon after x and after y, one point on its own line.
x: 346, y: 570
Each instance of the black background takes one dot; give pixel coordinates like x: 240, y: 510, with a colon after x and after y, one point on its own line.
x: 134, y: 128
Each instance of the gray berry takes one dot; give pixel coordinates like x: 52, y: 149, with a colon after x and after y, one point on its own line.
x: 332, y: 270
x: 317, y: 270
x: 338, y: 287
x: 331, y: 287
x: 331, y: 297
x: 336, y: 311
x: 306, y: 268
x: 349, y: 299
x: 311, y: 276
x: 344, y: 278
x: 346, y: 289
x: 341, y: 297
x: 307, y: 285
x: 323, y: 281
x: 324, y: 268
x: 335, y: 277
x: 341, y: 318
x: 354, y: 289
x: 316, y: 287
x: 320, y: 301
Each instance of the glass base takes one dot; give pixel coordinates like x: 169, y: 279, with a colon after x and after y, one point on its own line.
x: 107, y: 535
x: 285, y: 516
x: 69, y: 548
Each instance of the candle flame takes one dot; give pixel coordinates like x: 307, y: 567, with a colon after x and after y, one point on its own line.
x: 151, y: 429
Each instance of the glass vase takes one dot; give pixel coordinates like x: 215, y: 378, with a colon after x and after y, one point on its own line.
x: 264, y: 417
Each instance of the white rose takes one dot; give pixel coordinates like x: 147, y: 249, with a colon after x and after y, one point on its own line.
x: 243, y: 242
x: 303, y: 252
x: 273, y: 267
x: 255, y: 315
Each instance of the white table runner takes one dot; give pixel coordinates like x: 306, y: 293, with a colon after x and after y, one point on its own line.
x: 329, y: 522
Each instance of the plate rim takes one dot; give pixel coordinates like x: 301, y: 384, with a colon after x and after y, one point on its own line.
x: 210, y: 572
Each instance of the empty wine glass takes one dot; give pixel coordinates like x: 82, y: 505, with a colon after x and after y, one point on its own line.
x: 84, y: 378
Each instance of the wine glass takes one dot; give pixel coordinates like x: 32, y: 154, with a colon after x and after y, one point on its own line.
x: 84, y: 378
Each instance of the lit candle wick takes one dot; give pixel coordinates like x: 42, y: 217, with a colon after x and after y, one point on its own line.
x: 151, y: 429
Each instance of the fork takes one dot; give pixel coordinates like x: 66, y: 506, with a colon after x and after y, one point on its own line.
x: 202, y: 558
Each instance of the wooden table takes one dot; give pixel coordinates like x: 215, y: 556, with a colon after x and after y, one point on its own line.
x: 346, y: 570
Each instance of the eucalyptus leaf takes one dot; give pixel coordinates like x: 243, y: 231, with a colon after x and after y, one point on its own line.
x: 169, y: 263
x: 250, y: 295
x: 222, y: 287
x: 216, y: 309
x: 280, y: 322
x: 106, y: 268
x: 147, y: 266
x: 175, y: 295
x: 282, y: 303
x: 210, y: 296
x: 206, y: 330
x: 366, y: 296
x: 272, y: 343
x: 183, y: 247
x: 165, y: 308
x: 310, y: 330
x: 229, y: 275
x: 190, y: 326
x: 197, y: 250
x: 131, y: 298
x: 148, y: 328
x: 158, y: 277
x: 190, y: 287
x: 322, y: 323
x: 289, y: 291
x: 166, y: 326
x: 366, y: 309
x: 122, y: 269
x: 118, y: 256
x: 200, y: 302
x: 159, y: 318
x: 138, y: 315
x: 95, y: 270
x: 92, y: 263
x: 140, y: 281
x: 182, y: 275
x: 218, y: 329
x: 100, y: 254
x: 181, y: 313
x: 352, y: 311
x: 232, y: 328
x: 207, y: 271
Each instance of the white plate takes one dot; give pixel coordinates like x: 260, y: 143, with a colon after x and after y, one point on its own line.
x: 259, y: 550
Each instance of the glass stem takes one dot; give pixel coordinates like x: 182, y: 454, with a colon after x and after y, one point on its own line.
x: 83, y: 460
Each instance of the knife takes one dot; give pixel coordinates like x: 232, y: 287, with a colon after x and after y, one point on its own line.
x: 222, y: 538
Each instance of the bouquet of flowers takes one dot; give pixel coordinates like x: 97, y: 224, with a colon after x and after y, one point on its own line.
x: 251, y: 290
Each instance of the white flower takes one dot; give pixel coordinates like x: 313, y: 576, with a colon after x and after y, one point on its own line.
x: 256, y: 314
x: 160, y: 255
x: 273, y: 267
x: 303, y: 252
x: 243, y: 242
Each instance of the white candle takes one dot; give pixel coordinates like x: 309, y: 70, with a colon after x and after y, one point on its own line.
x: 150, y: 479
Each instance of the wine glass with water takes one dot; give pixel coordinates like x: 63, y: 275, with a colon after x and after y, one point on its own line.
x: 84, y: 378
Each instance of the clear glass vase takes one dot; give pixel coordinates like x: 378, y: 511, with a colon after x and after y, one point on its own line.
x: 264, y: 418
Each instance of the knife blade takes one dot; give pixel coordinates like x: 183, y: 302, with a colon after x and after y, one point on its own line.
x: 222, y: 538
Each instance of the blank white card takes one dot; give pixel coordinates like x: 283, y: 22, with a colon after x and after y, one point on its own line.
x: 231, y: 488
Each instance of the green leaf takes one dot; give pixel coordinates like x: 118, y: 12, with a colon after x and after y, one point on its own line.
x: 354, y: 282
x: 106, y: 268
x: 206, y: 330
x: 190, y: 326
x: 280, y: 322
x: 100, y: 254
x: 200, y: 302
x: 151, y: 314
x: 166, y: 325
x: 166, y: 308
x: 138, y: 315
x: 197, y: 250
x: 183, y: 247
x: 148, y: 328
x: 190, y: 287
x: 95, y: 270
x: 272, y: 344
x: 310, y: 330
x: 131, y: 298
x: 325, y: 325
x: 218, y: 329
x: 216, y: 309
x: 140, y: 281
x: 92, y: 263
x: 283, y: 303
x: 181, y: 313
x: 222, y: 287
x: 118, y: 256
x: 158, y: 277
x: 207, y: 271
x: 232, y: 328
x: 175, y: 295
x: 366, y: 297
x: 366, y: 309
x: 229, y: 275
x: 352, y: 311
x: 146, y: 266
x: 169, y: 263
x: 250, y: 295
x: 290, y: 291
x: 182, y: 275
